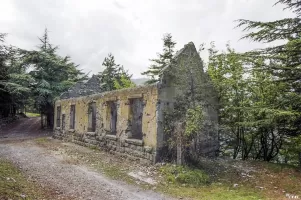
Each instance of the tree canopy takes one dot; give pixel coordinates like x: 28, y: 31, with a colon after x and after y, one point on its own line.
x: 52, y: 75
x: 259, y: 90
x: 164, y: 59
x: 114, y: 76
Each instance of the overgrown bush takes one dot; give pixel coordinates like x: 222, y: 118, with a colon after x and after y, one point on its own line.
x: 184, y: 175
x: 181, y: 125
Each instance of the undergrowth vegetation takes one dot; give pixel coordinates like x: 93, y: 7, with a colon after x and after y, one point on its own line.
x: 13, y: 185
x: 184, y: 175
x: 32, y: 114
x: 218, y: 179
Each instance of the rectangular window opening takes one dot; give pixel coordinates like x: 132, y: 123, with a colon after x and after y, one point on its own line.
x: 72, y: 117
x: 63, y: 121
x: 112, y: 116
x: 135, y: 118
x: 58, y: 116
x: 92, y: 117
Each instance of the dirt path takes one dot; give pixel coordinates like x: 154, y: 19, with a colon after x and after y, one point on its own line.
x: 68, y: 180
x: 24, y: 128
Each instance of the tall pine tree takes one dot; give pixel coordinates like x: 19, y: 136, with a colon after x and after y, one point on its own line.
x: 14, y: 80
x: 114, y: 76
x: 52, y: 75
x: 282, y: 61
x: 162, y: 61
x: 4, y: 94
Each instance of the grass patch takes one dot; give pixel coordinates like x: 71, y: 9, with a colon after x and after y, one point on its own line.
x: 117, y: 173
x: 183, y: 181
x: 13, y: 185
x: 184, y: 175
x: 213, y: 180
x: 32, y: 114
x: 93, y: 147
x: 42, y: 140
x: 276, y: 167
x: 211, y: 192
x: 109, y: 166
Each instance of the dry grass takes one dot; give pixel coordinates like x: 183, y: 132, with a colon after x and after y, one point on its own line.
x: 228, y: 179
x: 276, y: 180
x: 14, y: 185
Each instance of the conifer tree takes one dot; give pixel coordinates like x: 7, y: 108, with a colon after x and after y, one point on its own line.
x: 253, y: 116
x: 285, y: 58
x: 52, y: 75
x: 282, y: 61
x: 162, y: 61
x: 14, y: 81
x: 114, y: 76
x: 4, y: 95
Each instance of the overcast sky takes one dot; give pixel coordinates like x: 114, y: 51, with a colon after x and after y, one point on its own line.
x: 88, y: 30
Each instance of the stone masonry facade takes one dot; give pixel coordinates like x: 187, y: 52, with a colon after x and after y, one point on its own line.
x: 129, y: 121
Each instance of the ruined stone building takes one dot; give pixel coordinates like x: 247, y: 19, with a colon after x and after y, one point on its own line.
x: 130, y: 121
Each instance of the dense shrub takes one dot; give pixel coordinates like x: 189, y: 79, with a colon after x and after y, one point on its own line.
x: 184, y: 175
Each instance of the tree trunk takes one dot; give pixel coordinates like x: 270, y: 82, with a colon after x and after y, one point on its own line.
x: 42, y: 121
x: 180, y: 151
x: 49, y: 116
x: 299, y: 155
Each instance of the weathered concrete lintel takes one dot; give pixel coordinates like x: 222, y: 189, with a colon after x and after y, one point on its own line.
x: 111, y: 137
x: 111, y: 99
x: 91, y: 133
x: 135, y: 96
x: 135, y: 142
x: 110, y: 93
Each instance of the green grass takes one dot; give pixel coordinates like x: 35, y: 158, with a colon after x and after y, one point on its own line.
x: 275, y: 167
x: 42, y: 140
x: 212, y: 180
x: 109, y: 167
x: 32, y: 114
x: 183, y: 181
x: 13, y: 185
x: 184, y: 175
x: 211, y: 192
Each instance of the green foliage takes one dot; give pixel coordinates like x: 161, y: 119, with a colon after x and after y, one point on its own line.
x: 253, y: 115
x: 181, y: 125
x: 124, y: 82
x: 290, y: 152
x: 51, y: 75
x: 184, y: 175
x: 29, y: 114
x: 194, y: 120
x: 164, y: 59
x: 14, y: 81
x: 114, y: 76
x: 279, y: 85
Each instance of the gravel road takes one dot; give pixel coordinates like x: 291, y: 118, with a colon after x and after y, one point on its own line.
x: 68, y: 180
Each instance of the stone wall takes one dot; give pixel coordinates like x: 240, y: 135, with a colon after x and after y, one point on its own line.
x: 149, y: 144
x: 177, y: 78
x: 119, y: 142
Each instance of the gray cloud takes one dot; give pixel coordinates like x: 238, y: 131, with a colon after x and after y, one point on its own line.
x: 132, y: 30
